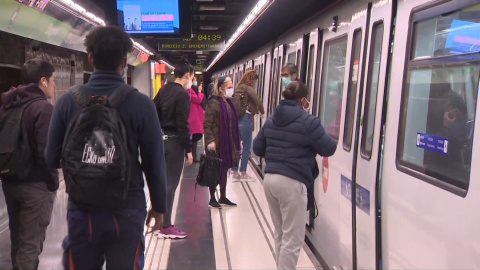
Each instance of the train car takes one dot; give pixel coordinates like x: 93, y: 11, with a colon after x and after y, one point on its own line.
x: 395, y: 82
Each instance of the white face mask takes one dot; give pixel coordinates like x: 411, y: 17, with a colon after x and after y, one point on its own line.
x: 229, y: 92
x: 188, y: 85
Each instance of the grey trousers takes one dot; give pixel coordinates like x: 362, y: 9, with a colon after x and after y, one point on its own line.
x: 174, y: 160
x: 29, y: 208
x: 287, y: 200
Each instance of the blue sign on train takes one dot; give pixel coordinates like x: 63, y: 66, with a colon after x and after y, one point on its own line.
x: 362, y: 194
x: 433, y: 143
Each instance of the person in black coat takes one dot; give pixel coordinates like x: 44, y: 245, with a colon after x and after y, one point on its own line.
x: 289, y: 141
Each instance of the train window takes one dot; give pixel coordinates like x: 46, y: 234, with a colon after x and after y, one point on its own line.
x: 448, y: 34
x: 310, y: 66
x: 439, y: 99
x: 372, y: 89
x: 292, y: 58
x: 352, y: 89
x: 298, y: 58
x: 272, y: 94
x: 332, y: 85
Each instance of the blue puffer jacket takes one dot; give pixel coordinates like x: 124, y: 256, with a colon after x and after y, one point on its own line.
x: 290, y: 140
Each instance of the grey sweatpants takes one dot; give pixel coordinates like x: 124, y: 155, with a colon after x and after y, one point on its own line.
x: 287, y: 200
x: 29, y: 208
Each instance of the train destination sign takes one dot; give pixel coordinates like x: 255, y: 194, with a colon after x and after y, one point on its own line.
x: 199, y: 42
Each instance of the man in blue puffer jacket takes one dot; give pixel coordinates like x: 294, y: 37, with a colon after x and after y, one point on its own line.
x: 289, y: 141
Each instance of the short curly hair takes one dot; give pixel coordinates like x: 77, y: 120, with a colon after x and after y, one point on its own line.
x: 109, y: 45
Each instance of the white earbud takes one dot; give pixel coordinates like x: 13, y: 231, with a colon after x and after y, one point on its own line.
x: 44, y: 84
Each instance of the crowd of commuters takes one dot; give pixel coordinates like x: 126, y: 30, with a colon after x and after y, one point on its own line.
x: 110, y: 140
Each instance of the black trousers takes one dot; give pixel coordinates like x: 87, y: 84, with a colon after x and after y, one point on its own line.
x: 223, y: 185
x: 174, y: 160
x: 29, y: 207
x: 195, y: 138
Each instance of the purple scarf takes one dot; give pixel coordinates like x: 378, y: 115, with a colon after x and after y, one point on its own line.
x: 227, y: 141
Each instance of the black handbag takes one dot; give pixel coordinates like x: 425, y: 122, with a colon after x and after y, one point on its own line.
x: 209, y: 172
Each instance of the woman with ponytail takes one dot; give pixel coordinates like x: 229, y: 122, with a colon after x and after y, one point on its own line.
x: 222, y: 135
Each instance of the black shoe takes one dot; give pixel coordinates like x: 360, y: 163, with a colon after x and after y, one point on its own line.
x: 214, y: 204
x: 226, y: 202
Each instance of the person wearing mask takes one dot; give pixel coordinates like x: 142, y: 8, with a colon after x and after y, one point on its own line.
x: 289, y: 141
x: 248, y: 105
x: 30, y: 200
x: 289, y: 74
x: 196, y: 117
x: 97, y: 235
x: 222, y: 134
x: 173, y: 107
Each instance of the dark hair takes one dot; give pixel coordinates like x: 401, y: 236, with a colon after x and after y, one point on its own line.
x: 35, y: 69
x: 109, y: 45
x: 291, y: 68
x: 183, y: 68
x: 295, y: 90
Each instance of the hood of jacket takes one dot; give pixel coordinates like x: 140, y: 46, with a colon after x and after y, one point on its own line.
x: 22, y: 93
x: 287, y: 112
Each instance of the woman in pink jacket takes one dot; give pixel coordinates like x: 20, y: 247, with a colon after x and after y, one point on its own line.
x: 196, y: 118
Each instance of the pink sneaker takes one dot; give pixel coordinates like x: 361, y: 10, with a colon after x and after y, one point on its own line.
x: 172, y: 232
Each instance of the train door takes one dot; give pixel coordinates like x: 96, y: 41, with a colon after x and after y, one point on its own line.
x: 431, y: 192
x: 369, y: 158
x: 276, y: 81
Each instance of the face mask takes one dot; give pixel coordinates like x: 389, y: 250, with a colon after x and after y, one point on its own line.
x: 305, y: 104
x: 124, y: 76
x: 188, y: 85
x: 286, y: 81
x: 195, y: 83
x: 229, y: 92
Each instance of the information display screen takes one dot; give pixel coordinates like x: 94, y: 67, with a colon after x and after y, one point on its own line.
x: 149, y: 17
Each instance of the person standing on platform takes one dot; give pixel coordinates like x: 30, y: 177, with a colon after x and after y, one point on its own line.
x: 196, y: 117
x: 222, y: 135
x: 97, y: 233
x: 248, y: 105
x: 173, y: 108
x: 29, y: 197
x: 289, y: 141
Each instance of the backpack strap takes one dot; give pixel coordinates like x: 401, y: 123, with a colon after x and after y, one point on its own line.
x: 119, y: 95
x: 79, y: 95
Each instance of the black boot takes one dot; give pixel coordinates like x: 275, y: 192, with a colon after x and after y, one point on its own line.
x: 213, y: 202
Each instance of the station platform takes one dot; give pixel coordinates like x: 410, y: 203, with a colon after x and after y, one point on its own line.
x: 229, y: 238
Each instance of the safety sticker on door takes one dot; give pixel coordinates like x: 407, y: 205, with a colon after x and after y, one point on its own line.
x: 362, y: 194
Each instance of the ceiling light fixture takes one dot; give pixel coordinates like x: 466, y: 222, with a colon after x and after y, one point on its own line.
x: 256, y: 11
x: 168, y: 64
x: 211, y: 8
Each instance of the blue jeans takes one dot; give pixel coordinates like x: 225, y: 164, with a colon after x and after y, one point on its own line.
x: 95, y: 237
x: 245, y: 127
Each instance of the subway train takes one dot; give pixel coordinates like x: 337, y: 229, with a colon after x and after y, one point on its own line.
x: 395, y: 82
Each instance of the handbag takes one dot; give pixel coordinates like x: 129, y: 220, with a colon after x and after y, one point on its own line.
x: 210, y: 169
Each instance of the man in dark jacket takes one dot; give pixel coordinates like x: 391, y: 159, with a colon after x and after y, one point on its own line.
x: 115, y: 236
x: 30, y: 201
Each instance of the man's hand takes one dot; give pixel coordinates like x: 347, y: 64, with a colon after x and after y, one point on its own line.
x: 211, y: 146
x: 158, y: 217
x: 189, y: 160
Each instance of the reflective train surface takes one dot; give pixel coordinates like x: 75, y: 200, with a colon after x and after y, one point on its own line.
x: 396, y: 83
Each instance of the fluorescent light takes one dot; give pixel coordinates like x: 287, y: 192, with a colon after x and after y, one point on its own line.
x: 88, y: 16
x: 211, y: 8
x: 168, y: 64
x: 204, y: 0
x: 140, y: 47
x: 256, y: 11
x: 198, y: 72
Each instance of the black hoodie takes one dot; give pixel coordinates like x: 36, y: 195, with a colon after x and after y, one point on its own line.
x: 36, y: 118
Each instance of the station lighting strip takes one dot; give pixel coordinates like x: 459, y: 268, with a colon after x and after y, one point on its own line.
x: 91, y: 18
x: 257, y: 10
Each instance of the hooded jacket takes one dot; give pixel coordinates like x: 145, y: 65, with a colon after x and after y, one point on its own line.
x: 290, y: 140
x: 36, y: 118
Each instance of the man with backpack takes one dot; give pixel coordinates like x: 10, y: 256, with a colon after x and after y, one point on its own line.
x: 28, y: 185
x: 98, y: 134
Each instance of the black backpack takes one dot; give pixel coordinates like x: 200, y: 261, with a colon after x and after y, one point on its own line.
x: 96, y: 160
x: 15, y: 151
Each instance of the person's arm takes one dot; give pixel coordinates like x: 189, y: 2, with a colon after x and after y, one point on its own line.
x: 321, y: 141
x: 182, y: 112
x: 253, y: 97
x: 211, y: 114
x: 194, y: 97
x: 56, y: 134
x: 152, y: 153
x: 260, y: 143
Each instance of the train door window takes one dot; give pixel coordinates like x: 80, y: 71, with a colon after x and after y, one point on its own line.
x: 372, y: 89
x: 298, y: 58
x: 352, y: 89
x: 332, y: 85
x: 291, y: 58
x: 310, y: 66
x: 440, y: 98
x: 272, y: 95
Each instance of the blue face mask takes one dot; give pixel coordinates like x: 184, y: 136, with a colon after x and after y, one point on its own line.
x: 195, y: 83
x: 286, y: 81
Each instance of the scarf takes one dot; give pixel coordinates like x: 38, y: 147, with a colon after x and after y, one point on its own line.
x: 227, y: 141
